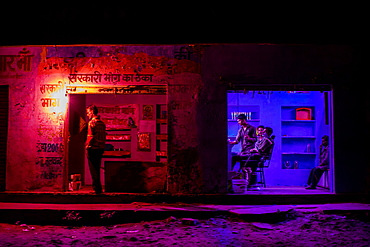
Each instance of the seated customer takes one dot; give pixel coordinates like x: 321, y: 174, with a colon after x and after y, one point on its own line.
x: 260, y: 131
x: 317, y: 172
x: 262, y: 148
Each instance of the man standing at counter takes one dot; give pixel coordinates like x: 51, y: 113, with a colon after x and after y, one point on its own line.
x: 95, y: 143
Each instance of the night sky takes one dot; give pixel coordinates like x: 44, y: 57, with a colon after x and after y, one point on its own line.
x: 155, y: 23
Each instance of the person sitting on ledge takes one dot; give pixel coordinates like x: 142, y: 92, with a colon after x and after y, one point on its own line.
x: 316, y: 173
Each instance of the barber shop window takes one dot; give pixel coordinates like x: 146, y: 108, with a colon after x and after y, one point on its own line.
x: 300, y: 123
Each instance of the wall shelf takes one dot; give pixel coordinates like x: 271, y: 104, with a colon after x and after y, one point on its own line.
x: 162, y: 121
x: 294, y: 153
x: 161, y: 133
x: 250, y: 120
x: 116, y: 153
x: 298, y: 137
x: 299, y: 121
x: 118, y: 129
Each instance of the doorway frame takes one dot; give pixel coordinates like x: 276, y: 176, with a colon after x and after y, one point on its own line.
x: 118, y: 90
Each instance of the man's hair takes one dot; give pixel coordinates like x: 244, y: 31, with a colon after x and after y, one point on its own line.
x: 93, y: 108
x: 242, y: 116
x: 269, y: 130
x: 261, y: 126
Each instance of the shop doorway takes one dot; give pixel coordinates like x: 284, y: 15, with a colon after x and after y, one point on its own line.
x: 299, y: 120
x: 136, y: 146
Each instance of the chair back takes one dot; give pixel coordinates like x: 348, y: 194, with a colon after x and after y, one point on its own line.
x: 265, y: 161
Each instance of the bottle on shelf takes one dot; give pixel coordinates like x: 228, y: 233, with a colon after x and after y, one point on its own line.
x: 308, y: 148
x: 296, y: 164
x: 287, y: 164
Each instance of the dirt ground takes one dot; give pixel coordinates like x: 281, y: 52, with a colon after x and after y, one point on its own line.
x: 313, y: 229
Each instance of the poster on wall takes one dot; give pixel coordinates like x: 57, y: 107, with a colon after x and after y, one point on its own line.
x: 119, y: 117
x: 143, y: 141
x: 148, y: 112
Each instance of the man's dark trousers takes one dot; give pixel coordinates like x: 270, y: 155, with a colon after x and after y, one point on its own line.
x: 94, y: 157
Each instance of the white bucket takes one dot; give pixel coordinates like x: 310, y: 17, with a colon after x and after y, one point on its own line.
x: 239, y: 185
x: 74, y: 185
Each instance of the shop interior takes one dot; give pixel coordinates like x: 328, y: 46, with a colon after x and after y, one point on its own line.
x: 136, y: 132
x: 299, y: 120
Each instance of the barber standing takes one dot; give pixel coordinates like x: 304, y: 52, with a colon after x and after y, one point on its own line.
x: 246, y: 137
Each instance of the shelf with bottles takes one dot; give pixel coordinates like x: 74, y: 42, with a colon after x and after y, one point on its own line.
x: 293, y: 161
x: 161, y: 153
x: 118, y: 137
x: 118, y: 143
x: 250, y: 120
x: 118, y: 150
x: 252, y: 112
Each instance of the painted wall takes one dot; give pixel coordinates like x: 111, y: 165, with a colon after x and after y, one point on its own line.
x: 197, y: 77
x: 38, y: 103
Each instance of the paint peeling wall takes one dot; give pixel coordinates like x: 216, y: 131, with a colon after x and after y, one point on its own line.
x: 39, y: 102
x: 18, y: 69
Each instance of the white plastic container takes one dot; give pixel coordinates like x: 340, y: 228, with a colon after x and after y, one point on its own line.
x: 239, y: 185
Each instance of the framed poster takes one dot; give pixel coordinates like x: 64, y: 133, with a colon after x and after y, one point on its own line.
x: 148, y: 111
x: 119, y: 117
x: 143, y: 142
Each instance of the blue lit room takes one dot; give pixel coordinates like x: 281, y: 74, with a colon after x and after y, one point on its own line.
x: 299, y: 120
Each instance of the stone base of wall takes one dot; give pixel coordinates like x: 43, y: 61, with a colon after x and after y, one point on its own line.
x: 134, y: 176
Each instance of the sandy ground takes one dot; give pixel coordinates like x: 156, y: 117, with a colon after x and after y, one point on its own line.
x: 313, y: 229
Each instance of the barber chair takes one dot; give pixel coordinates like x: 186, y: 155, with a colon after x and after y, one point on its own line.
x: 263, y: 163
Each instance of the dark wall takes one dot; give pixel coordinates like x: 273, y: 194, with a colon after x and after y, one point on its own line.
x: 351, y: 148
x: 237, y: 66
x: 212, y: 124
